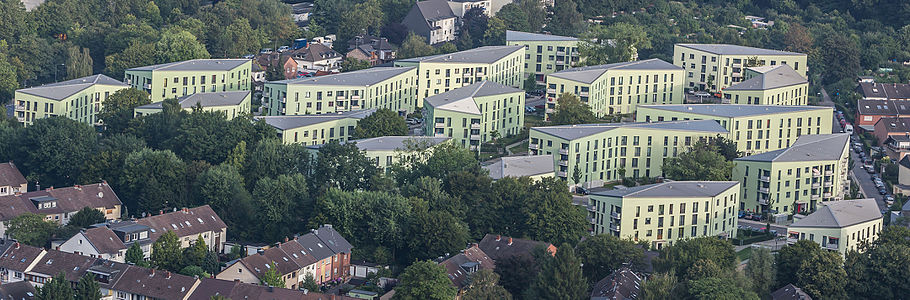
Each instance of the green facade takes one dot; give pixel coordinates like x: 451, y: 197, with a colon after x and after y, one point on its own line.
x: 544, y: 54
x: 78, y: 99
x: 471, y: 114
x: 390, y: 88
x: 713, y: 67
x: 178, y: 79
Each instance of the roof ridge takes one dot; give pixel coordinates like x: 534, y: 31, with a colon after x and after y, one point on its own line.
x: 648, y: 188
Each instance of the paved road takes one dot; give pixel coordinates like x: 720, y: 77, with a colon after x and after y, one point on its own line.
x: 534, y: 101
x: 759, y: 225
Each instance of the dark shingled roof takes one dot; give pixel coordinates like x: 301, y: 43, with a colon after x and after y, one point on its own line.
x: 72, y: 265
x: 879, y: 107
x: 187, y: 222
x: 790, y: 292
x: 460, y: 276
x: 104, y: 240
x: 19, y: 256
x: 17, y: 290
x: 333, y: 239
x: 498, y: 247
x: 621, y: 284
x: 69, y: 199
x: 889, y: 91
x: 158, y: 284
x: 10, y: 175
x: 209, y: 287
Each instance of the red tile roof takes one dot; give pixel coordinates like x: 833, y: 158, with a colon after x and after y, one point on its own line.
x: 460, y: 275
x: 69, y: 200
x: 10, y: 175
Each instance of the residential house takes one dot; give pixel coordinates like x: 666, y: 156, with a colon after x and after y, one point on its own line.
x: 536, y: 167
x: 80, y: 99
x: 620, y: 87
x: 316, y: 129
x: 323, y: 254
x: 790, y: 292
x: 869, y: 111
x: 884, y: 91
x: 232, y: 103
x: 386, y: 151
x: 72, y: 266
x: 839, y: 226
x: 380, y: 87
x: 658, y: 212
x: 441, y: 73
x: 209, y: 288
x: 475, y: 114
x: 897, y: 146
x: 714, y: 67
x: 795, y: 179
x: 545, y: 53
x: 20, y: 290
x: 754, y: 128
x: 599, y: 153
x: 11, y: 180
x: 109, y: 241
x: 376, y: 50
x: 16, y: 260
x: 189, y: 224
x: 176, y: 79
x: 621, y: 284
x: 461, y: 7
x: 59, y: 205
x: 316, y: 57
x: 301, y: 12
x: 770, y: 85
x: 891, y: 127
x: 143, y: 283
x: 433, y: 20
x: 281, y: 62
x: 459, y: 267
x: 903, y: 177
x: 498, y: 247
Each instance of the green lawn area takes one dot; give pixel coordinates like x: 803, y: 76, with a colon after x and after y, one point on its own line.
x: 521, y: 148
x: 744, y: 254
x: 532, y: 120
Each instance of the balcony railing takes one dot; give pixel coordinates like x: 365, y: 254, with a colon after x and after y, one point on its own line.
x: 827, y: 195
x: 764, y: 190
x: 815, y: 197
x: 815, y: 185
x: 829, y: 173
x: 20, y: 119
x: 831, y: 246
x: 475, y: 125
x: 563, y: 163
x: 355, y: 97
x: 440, y: 125
x: 764, y: 179
x: 615, y: 215
x: 829, y: 184
x: 763, y: 201
x: 561, y: 53
x: 533, y: 146
x: 561, y: 173
x: 147, y: 86
x: 614, y: 227
x: 551, y: 91
x: 792, y: 240
x: 583, y: 94
x: 475, y: 137
x: 563, y: 151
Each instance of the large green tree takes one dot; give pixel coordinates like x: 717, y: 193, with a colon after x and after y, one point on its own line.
x: 166, y: 253
x: 550, y: 214
x: 567, y: 21
x: 484, y: 286
x: 719, y: 288
x: 434, y: 233
x: 224, y: 189
x: 560, y: 277
x: 52, y: 150
x: 117, y: 110
x: 31, y: 229
x: 516, y: 273
x: 87, y: 288
x: 179, y: 45
x: 659, y: 286
x: 270, y: 158
x: 842, y: 57
x: 284, y: 203
x: 58, y: 288
x: 570, y: 110
x: 414, y: 46
x: 701, y: 162
x: 761, y: 270
x: 602, y: 254
x: 78, y: 62
x: 618, y: 42
x: 822, y: 276
x: 424, y: 280
x: 383, y: 122
x: 684, y: 254
x: 343, y: 166
x: 272, y: 277
x: 150, y: 178
x: 790, y: 258
x: 86, y: 217
x: 239, y: 39
x: 135, y: 256
x: 363, y: 18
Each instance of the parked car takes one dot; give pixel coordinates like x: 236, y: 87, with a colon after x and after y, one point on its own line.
x: 283, y: 48
x: 702, y: 94
x: 741, y: 214
x: 882, y: 191
x: 249, y: 56
x: 266, y: 50
x: 411, y: 121
x: 747, y: 216
x: 581, y: 190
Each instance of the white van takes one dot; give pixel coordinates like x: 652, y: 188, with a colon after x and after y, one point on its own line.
x: 848, y: 129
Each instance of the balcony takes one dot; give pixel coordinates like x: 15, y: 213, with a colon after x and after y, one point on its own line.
x: 815, y: 185
x: 284, y: 100
x: 616, y: 215
x: 827, y: 195
x: 561, y: 53
x: 147, y: 86
x: 816, y: 173
x: 792, y: 240
x: 764, y: 179
x: 475, y: 125
x: 439, y: 125
x: 763, y: 201
x: 829, y: 173
x: 550, y: 110
x: 20, y: 119
x: 439, y: 135
x: 551, y: 91
x: 563, y: 163
x: 737, y: 75
x: 561, y: 173
x: 355, y: 97
x: 739, y: 65
x: 533, y: 146
x: 563, y: 151
x: 831, y: 246
x: 475, y: 137
x: 815, y: 197
x: 614, y: 227
x: 339, y: 97
x: 829, y: 184
x: 282, y: 110
x: 764, y: 190
x: 583, y: 94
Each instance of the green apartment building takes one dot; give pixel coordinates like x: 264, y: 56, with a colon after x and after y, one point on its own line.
x: 381, y: 87
x: 387, y: 151
x: 544, y: 53
x: 754, y: 128
x: 795, y: 179
x: 79, y: 99
x: 232, y: 103
x: 178, y: 79
x: 619, y: 88
x: 769, y: 85
x: 316, y: 129
x: 608, y: 152
x: 469, y: 115
x: 666, y: 212
x: 840, y: 226
x: 713, y: 67
x: 441, y: 73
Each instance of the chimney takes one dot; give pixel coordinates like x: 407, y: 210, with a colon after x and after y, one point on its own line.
x: 498, y: 237
x: 160, y: 212
x: 153, y: 272
x: 186, y: 210
x: 510, y: 241
x: 285, y: 239
x: 167, y: 275
x: 260, y: 251
x: 16, y: 245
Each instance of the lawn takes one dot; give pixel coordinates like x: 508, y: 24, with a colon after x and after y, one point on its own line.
x: 520, y: 148
x: 744, y: 254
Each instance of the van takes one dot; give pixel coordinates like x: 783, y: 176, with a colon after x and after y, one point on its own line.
x: 848, y: 129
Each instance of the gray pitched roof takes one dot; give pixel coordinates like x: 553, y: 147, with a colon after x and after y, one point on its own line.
x: 843, y: 213
x: 485, y: 54
x: 724, y: 49
x: 462, y: 99
x: 882, y: 107
x: 213, y: 99
x: 365, y: 77
x: 590, y: 73
x: 196, y: 65
x: 297, y: 121
x: 672, y: 189
x: 392, y: 143
x: 780, y: 76
x: 527, y: 36
x: 572, y: 132
x: 63, y: 89
x: 735, y: 110
x: 433, y: 10
x: 790, y: 292
x: 10, y: 175
x: 890, y: 91
x: 518, y: 166
x: 815, y: 147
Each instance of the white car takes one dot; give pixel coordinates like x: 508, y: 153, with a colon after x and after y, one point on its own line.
x: 702, y: 94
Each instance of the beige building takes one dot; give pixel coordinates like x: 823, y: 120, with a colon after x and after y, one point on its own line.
x: 666, y: 212
x: 714, y: 67
x: 79, y: 99
x: 769, y: 85
x: 839, y: 226
x: 475, y: 114
x: 231, y: 103
x: 316, y: 129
